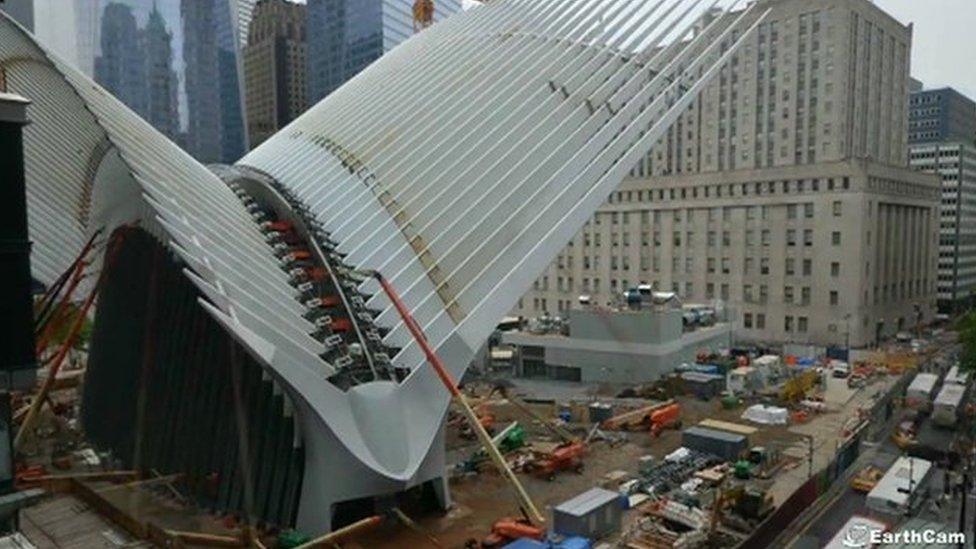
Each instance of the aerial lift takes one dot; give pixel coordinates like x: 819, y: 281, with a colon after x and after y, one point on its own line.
x: 565, y: 457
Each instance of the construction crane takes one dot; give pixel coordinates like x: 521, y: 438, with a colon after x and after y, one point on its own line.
x: 528, y: 506
x: 423, y: 14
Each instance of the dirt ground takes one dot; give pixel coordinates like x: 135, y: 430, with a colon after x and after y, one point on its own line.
x: 481, y: 499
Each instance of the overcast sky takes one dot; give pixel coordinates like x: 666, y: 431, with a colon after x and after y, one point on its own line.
x: 944, y: 41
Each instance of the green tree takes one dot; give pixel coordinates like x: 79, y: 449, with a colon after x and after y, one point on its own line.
x: 967, y: 336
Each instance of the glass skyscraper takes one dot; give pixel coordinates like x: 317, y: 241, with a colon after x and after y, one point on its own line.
x: 175, y: 62
x: 345, y: 36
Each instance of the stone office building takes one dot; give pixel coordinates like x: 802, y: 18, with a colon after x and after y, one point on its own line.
x: 942, y: 140
x: 784, y: 191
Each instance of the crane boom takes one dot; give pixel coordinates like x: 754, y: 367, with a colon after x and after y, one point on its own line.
x: 448, y: 380
x: 551, y: 425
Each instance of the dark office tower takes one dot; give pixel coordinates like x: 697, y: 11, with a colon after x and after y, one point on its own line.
x: 232, y: 135
x: 161, y: 102
x: 121, y: 67
x: 201, y: 58
x: 274, y: 68
x: 345, y: 36
x: 215, y: 130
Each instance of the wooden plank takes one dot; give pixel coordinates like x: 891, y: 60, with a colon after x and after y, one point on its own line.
x: 727, y: 426
x: 103, y: 507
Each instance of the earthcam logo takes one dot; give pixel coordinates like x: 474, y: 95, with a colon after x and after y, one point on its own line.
x: 858, y: 535
x: 861, y: 535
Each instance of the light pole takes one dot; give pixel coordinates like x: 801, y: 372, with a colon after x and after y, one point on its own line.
x: 847, y: 335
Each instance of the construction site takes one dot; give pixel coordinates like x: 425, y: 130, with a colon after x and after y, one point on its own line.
x: 663, y: 464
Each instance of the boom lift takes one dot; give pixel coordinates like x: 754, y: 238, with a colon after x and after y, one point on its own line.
x: 567, y: 456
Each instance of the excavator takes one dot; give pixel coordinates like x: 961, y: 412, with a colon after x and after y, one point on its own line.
x: 568, y: 456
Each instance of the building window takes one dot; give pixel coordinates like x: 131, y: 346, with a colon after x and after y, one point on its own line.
x: 761, y: 321
x: 788, y: 294
x: 747, y: 320
x: 835, y: 238
x: 788, y: 324
x: 807, y: 267
x: 790, y: 262
x: 808, y: 237
x: 834, y: 297
x: 791, y: 237
x: 801, y: 324
x: 764, y: 266
x: 838, y: 208
x: 805, y: 296
x: 835, y: 269
x: 808, y: 210
x: 791, y: 211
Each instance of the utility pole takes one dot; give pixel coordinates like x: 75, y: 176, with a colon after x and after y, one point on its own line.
x: 847, y: 321
x: 809, y: 455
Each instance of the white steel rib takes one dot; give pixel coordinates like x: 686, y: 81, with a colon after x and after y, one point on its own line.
x: 458, y: 165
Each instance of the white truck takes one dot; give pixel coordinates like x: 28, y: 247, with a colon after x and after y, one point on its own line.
x: 945, y: 407
x: 957, y: 377
x: 900, y: 489
x: 921, y: 390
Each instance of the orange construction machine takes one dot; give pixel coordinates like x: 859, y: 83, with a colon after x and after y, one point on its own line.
x: 568, y: 456
x: 507, y: 530
x: 657, y: 417
x: 668, y: 417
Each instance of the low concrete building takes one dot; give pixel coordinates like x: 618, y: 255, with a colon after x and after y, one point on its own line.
x: 617, y: 346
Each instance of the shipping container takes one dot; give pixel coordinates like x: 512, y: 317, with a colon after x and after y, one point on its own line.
x: 728, y: 446
x: 703, y: 386
x: 592, y: 514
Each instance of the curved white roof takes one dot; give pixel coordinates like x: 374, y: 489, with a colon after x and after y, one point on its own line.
x: 457, y: 165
